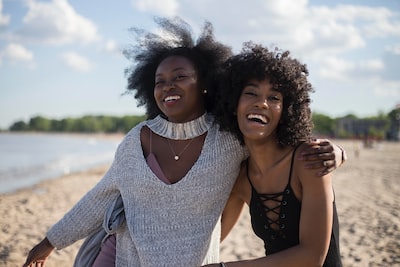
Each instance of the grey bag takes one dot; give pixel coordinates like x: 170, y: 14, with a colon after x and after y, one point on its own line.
x: 113, y: 219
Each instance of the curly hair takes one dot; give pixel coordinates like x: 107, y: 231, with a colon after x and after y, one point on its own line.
x: 287, y: 76
x: 175, y: 40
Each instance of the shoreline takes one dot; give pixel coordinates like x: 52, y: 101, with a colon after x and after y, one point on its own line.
x: 20, y: 175
x: 366, y: 188
x: 101, y: 135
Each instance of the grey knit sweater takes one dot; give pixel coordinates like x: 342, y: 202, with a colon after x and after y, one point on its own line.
x: 166, y: 225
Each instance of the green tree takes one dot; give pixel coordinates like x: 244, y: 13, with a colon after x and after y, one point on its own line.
x: 126, y: 123
x: 88, y: 124
x: 108, y: 123
x: 39, y: 123
x: 19, y: 126
x: 323, y: 124
x: 68, y: 125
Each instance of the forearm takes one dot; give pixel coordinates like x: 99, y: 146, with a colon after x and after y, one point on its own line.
x: 298, y: 256
x: 85, y: 217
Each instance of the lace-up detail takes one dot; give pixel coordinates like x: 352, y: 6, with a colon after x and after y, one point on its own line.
x: 271, y: 204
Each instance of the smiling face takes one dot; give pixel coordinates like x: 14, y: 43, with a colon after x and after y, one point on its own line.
x: 259, y: 110
x: 176, y: 90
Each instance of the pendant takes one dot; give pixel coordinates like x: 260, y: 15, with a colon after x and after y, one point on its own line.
x: 176, y: 157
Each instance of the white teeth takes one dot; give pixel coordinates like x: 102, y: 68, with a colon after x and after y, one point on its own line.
x: 257, y: 117
x: 172, y: 98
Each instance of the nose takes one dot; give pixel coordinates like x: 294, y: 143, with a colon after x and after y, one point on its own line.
x: 169, y: 85
x: 262, y: 103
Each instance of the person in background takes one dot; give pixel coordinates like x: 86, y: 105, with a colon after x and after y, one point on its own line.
x: 266, y: 104
x: 174, y: 172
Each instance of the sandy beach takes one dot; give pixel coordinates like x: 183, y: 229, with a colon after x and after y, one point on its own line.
x: 367, y: 189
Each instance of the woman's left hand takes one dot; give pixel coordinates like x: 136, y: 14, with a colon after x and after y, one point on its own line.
x: 323, y: 155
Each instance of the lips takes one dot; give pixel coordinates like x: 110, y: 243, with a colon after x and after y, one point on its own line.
x: 258, y: 118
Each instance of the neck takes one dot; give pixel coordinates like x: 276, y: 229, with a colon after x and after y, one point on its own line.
x: 265, y: 154
x: 182, y: 118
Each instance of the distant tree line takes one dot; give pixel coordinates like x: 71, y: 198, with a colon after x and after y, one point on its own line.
x: 382, y: 126
x: 327, y: 126
x: 85, y: 124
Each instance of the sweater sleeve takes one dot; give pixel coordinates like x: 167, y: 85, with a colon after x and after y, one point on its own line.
x: 88, y: 213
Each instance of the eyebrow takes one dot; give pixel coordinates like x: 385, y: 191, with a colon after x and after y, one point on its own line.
x: 251, y: 84
x: 258, y: 87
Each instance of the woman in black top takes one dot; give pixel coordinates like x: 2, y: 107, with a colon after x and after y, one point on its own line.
x: 266, y: 104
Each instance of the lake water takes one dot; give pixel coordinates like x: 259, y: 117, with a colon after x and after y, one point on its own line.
x: 26, y: 159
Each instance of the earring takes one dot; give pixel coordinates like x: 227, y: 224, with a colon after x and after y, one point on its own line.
x: 205, y: 91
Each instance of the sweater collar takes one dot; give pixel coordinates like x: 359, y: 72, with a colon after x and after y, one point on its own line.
x: 181, y: 131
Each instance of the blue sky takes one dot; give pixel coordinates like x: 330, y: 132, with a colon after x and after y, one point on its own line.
x: 63, y: 58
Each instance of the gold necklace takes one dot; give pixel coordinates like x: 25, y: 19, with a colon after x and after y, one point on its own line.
x: 178, y: 156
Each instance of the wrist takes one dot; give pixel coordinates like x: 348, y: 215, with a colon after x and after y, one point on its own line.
x: 47, y: 243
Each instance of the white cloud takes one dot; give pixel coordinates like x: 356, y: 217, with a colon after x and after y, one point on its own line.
x: 112, y: 47
x: 287, y: 8
x: 55, y: 22
x: 4, y: 19
x: 370, y: 21
x: 77, y: 61
x: 16, y: 53
x: 391, y: 59
x: 344, y: 43
x: 335, y: 39
x: 372, y: 65
x: 305, y: 29
x: 394, y: 49
x: 379, y: 22
x: 336, y: 68
x: 164, y: 8
x: 385, y: 88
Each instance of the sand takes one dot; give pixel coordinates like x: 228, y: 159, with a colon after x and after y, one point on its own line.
x: 367, y: 189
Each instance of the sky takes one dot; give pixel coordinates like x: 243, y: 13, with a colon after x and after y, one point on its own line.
x: 63, y: 58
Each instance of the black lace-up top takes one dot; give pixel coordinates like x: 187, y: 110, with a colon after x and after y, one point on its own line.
x: 275, y: 218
